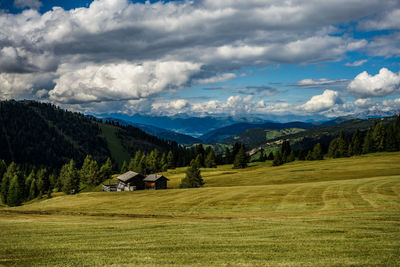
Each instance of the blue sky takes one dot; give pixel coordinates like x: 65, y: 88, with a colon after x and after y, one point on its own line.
x: 271, y: 59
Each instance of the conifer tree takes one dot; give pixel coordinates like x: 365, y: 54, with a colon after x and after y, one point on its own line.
x: 43, y: 182
x: 163, y: 162
x: 153, y: 161
x: 14, y: 196
x: 171, y: 160
x: 3, y: 169
x: 271, y: 156
x: 292, y: 156
x: 379, y: 137
x: 200, y: 153
x: 124, y: 167
x: 193, y: 176
x: 12, y: 171
x: 210, y: 159
x: 28, y: 184
x: 105, y: 171
x: 285, y: 150
x: 227, y: 156
x: 277, y: 159
x: 317, y: 153
x: 142, y: 168
x: 356, y: 143
x: 390, y: 138
x: 309, y: 155
x: 32, y: 190
x: 70, y: 178
x: 89, y: 171
x: 240, y: 159
x: 368, y: 145
x: 261, y: 158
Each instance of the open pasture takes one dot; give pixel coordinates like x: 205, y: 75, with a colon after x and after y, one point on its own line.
x: 298, y: 220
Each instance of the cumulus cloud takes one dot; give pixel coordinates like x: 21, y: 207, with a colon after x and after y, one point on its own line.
x: 220, y: 36
x: 382, y: 84
x: 122, y: 81
x: 363, y: 103
x: 322, y: 102
x: 120, y: 54
x: 356, y: 63
x: 25, y: 86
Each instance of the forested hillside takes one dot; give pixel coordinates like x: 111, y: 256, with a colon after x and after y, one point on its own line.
x: 42, y: 134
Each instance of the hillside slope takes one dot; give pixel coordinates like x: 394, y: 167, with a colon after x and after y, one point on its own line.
x: 43, y: 134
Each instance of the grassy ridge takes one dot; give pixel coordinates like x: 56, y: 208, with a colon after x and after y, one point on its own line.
x: 342, y: 212
x: 370, y: 165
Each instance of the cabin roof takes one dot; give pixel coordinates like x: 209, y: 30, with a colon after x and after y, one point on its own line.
x: 154, y: 177
x: 128, y: 175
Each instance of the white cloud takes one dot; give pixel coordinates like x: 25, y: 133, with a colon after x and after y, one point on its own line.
x: 322, y: 102
x: 25, y: 86
x: 356, y: 63
x: 382, y: 84
x: 318, y: 83
x: 382, y: 21
x: 34, y: 4
x: 216, y: 79
x: 363, y: 103
x: 120, y: 81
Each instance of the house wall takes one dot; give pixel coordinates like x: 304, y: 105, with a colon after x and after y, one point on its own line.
x: 161, y: 184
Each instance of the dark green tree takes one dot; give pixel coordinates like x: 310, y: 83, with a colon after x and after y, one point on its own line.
x: 124, y: 167
x: 3, y: 169
x: 309, y: 155
x: 105, y: 171
x: 210, y: 159
x: 261, y: 158
x: 277, y: 159
x: 292, y: 156
x: 356, y: 143
x: 89, y: 171
x: 317, y: 153
x: 171, y: 160
x: 28, y: 184
x: 368, y: 145
x: 227, y: 156
x: 285, y: 150
x: 43, y: 182
x: 240, y: 159
x: 12, y: 170
x: 32, y: 190
x: 378, y: 136
x: 202, y: 153
x: 193, y: 176
x: 270, y: 156
x: 70, y: 178
x: 15, y: 192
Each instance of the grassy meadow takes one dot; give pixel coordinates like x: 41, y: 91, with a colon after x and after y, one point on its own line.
x: 336, y: 212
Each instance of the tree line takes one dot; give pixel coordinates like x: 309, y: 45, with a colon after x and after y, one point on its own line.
x: 21, y: 183
x: 382, y: 137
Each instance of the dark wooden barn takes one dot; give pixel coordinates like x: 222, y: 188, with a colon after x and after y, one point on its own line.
x: 155, y: 181
x: 130, y: 181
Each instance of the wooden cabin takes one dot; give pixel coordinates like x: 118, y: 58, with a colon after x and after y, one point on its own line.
x: 130, y: 181
x: 155, y: 181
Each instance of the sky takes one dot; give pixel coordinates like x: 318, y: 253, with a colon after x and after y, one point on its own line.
x: 265, y: 58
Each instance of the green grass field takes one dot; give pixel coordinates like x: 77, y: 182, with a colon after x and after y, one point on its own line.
x: 337, y: 212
